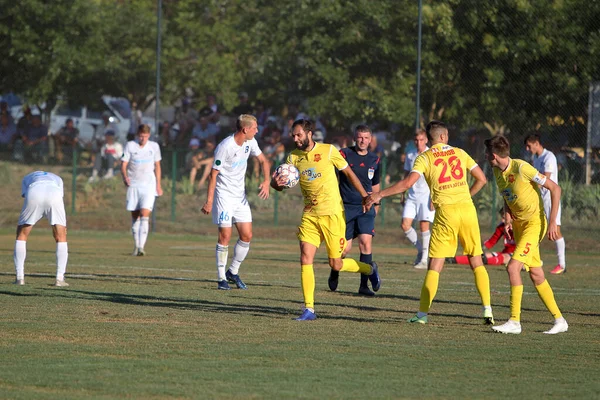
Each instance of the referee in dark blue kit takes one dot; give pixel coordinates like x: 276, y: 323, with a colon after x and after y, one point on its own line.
x: 365, y: 165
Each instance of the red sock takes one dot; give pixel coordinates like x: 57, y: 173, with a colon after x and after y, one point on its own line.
x: 464, y: 260
x: 495, y: 260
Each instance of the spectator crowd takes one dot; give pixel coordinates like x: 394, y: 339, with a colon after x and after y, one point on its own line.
x: 197, y: 126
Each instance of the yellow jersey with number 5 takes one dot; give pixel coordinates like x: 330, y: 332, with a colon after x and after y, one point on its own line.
x: 519, y: 186
x: 445, y: 169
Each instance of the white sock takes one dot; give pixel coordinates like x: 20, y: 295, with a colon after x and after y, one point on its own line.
x: 425, y: 238
x: 221, y: 254
x: 62, y: 255
x: 135, y: 231
x: 411, y: 235
x: 143, y: 231
x: 19, y: 257
x: 110, y: 171
x: 240, y: 251
x: 560, y: 252
x: 94, y: 173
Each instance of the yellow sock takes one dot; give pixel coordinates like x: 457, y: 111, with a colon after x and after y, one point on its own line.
x: 308, y: 286
x: 351, y: 265
x: 482, y: 282
x: 516, y: 294
x: 429, y: 289
x: 547, y: 296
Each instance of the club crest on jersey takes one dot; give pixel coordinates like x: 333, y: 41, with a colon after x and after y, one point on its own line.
x: 511, y: 178
x: 317, y: 157
x: 247, y: 149
x: 371, y: 173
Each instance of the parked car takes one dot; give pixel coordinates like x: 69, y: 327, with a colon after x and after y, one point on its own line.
x: 87, y: 118
x: 16, y: 103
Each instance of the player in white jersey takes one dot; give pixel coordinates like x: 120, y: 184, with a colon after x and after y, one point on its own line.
x: 141, y: 174
x: 418, y: 205
x: 43, y: 193
x: 545, y: 162
x: 227, y: 200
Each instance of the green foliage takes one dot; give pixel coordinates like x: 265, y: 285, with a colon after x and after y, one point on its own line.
x: 185, y: 186
x: 579, y: 202
x: 523, y: 65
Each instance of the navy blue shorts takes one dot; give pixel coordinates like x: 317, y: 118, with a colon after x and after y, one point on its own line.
x: 358, y: 222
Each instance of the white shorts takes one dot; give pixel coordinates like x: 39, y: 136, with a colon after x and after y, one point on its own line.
x: 43, y: 200
x: 226, y: 212
x: 548, y: 205
x: 418, y: 208
x: 140, y: 197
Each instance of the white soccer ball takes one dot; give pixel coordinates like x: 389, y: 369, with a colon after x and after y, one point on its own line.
x: 290, y: 172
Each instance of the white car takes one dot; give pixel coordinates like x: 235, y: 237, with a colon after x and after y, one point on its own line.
x: 86, y: 119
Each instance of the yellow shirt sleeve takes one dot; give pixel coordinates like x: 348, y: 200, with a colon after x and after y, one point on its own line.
x: 337, y: 159
x: 531, y: 174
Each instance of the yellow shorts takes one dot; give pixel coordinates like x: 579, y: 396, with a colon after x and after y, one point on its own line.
x: 314, y: 229
x: 528, y: 235
x: 451, y: 224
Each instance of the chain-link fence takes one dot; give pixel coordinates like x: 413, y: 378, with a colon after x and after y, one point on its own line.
x: 487, y: 68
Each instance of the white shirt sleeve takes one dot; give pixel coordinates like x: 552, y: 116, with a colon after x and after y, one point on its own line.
x: 126, y: 153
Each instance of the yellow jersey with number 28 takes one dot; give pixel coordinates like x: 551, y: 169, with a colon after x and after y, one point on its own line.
x: 445, y: 170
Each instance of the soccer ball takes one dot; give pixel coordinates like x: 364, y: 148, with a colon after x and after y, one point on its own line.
x: 290, y: 172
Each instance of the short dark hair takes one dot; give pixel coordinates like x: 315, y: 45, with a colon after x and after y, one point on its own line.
x: 433, y: 124
x: 362, y: 128
x: 434, y: 128
x: 532, y: 138
x: 497, y: 145
x: 306, y: 124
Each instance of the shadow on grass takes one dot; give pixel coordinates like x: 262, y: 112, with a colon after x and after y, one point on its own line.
x: 173, y: 302
x: 17, y: 294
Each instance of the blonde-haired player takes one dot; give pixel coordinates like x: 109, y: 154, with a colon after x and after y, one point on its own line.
x: 518, y: 183
x: 226, y: 198
x: 445, y: 170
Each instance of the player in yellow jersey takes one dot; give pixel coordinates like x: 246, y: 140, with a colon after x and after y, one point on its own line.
x: 323, y: 218
x: 445, y: 170
x: 524, y: 212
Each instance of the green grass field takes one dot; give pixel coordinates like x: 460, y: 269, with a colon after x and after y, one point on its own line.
x: 155, y: 327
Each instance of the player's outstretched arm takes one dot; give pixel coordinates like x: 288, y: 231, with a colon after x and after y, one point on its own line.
x: 396, y: 188
x: 480, y: 180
